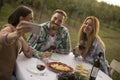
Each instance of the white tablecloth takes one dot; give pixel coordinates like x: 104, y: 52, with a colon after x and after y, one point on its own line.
x: 23, y: 74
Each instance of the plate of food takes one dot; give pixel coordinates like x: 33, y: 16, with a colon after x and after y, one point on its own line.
x: 36, y: 69
x: 59, y: 67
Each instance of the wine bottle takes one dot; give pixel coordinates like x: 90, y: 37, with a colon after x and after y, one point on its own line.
x: 95, y: 67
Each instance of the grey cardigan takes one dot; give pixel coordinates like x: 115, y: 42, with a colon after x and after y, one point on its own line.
x: 96, y: 48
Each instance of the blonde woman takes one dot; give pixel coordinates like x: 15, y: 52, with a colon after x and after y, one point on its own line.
x: 90, y: 44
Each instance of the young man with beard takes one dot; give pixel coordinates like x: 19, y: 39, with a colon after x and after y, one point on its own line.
x: 53, y: 37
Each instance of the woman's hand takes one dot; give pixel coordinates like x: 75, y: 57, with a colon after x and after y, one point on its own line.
x: 77, y: 51
x: 22, y: 28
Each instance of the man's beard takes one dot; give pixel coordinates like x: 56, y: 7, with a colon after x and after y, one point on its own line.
x: 54, y: 28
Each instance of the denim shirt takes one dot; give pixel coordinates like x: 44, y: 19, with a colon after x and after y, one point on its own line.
x: 96, y: 49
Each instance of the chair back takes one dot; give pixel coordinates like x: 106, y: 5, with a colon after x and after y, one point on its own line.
x: 115, y: 66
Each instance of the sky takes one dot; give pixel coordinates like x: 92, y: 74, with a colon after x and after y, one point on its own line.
x: 113, y: 2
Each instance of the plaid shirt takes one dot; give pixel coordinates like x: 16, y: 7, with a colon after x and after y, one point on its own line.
x: 62, y: 42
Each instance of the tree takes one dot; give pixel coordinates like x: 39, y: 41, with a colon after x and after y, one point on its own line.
x: 1, y: 4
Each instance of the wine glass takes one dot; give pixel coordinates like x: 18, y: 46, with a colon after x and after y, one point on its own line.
x: 46, y: 60
x: 41, y: 68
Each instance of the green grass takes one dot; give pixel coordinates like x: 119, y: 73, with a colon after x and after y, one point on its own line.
x: 112, y: 42
x: 73, y: 36
x: 110, y: 37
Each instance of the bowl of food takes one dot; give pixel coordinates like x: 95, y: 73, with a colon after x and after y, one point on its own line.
x: 59, y: 67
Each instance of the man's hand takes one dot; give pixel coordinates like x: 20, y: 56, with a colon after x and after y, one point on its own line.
x: 46, y: 54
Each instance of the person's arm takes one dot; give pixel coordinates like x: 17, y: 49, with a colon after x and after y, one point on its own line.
x: 7, y: 36
x: 94, y: 53
x: 40, y: 54
x: 77, y: 51
x: 28, y: 51
x: 35, y: 43
x: 32, y: 39
x: 104, y: 63
x: 65, y: 46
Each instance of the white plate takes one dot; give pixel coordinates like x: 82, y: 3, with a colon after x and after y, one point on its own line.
x: 33, y: 69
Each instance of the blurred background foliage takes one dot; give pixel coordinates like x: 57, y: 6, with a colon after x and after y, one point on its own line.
x: 76, y: 9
